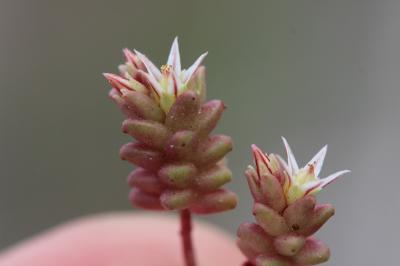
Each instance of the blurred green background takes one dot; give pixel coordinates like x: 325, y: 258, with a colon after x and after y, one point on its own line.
x: 316, y: 72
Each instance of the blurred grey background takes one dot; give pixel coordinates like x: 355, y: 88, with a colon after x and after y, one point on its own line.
x: 316, y: 72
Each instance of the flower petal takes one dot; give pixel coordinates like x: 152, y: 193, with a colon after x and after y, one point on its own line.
x: 177, y: 83
x: 174, y: 58
x: 151, y: 68
x: 315, y: 186
x: 318, y: 160
x: 189, y: 72
x: 155, y: 85
x: 282, y: 162
x: 327, y: 180
x: 292, y: 164
x: 312, y: 187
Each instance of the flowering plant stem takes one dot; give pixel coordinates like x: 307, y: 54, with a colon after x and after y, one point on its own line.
x: 186, y: 230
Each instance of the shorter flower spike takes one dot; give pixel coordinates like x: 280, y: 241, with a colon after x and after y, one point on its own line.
x: 285, y: 211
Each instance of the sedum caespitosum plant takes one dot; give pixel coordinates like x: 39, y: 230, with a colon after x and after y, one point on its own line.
x: 180, y: 165
x: 285, y: 211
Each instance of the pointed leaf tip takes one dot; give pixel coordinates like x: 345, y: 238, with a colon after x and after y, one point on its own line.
x: 256, y: 151
x: 129, y: 55
x: 117, y: 82
x: 261, y: 160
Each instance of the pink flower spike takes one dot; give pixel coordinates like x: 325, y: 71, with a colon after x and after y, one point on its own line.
x: 318, y: 160
x: 180, y: 163
x: 285, y: 210
x: 155, y: 85
x: 117, y: 82
x: 292, y: 164
x: 297, y: 182
x: 174, y: 58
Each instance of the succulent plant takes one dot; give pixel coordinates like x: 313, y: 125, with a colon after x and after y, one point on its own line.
x: 180, y: 165
x: 285, y: 211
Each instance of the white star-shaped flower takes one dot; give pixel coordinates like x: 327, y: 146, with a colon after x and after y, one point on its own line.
x: 171, y: 81
x: 163, y: 84
x: 305, y: 181
x: 296, y: 182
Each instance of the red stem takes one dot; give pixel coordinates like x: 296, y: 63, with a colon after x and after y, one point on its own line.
x: 186, y: 229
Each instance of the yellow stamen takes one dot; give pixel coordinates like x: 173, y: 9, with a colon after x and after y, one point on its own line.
x: 166, y: 69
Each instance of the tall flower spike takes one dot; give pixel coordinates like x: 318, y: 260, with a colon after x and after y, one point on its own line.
x: 285, y: 210
x: 180, y: 165
x: 174, y: 150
